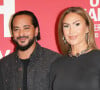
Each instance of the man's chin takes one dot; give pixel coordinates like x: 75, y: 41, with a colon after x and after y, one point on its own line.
x: 22, y: 48
x: 25, y: 46
x: 22, y: 45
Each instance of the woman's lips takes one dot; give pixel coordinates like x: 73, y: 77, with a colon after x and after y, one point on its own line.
x: 72, y: 37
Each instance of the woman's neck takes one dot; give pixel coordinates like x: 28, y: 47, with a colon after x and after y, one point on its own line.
x: 78, y: 49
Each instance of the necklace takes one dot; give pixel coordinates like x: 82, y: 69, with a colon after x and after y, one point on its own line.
x: 78, y: 54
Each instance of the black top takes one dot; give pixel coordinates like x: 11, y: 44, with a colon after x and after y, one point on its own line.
x: 76, y: 73
x: 25, y: 65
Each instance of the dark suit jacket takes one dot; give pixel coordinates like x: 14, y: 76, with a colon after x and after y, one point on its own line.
x: 1, y: 81
x: 37, y: 71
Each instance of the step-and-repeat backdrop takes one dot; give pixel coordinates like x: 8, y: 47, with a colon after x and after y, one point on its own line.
x: 47, y: 12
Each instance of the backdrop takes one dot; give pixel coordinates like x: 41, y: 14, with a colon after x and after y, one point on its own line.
x: 47, y: 12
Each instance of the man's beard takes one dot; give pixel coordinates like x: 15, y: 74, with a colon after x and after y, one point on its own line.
x: 23, y: 48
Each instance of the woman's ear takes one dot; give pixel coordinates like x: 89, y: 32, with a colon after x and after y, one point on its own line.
x: 87, y: 29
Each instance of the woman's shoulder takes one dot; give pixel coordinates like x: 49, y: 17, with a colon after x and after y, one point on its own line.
x: 58, y: 64
x: 60, y: 61
x: 95, y: 52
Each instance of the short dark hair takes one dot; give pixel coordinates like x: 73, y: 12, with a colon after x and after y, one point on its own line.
x: 34, y: 20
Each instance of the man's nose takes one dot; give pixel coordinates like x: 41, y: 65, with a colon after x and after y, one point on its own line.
x: 21, y: 32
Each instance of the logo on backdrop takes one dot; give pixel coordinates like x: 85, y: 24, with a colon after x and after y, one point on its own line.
x: 6, y: 10
x: 94, y: 12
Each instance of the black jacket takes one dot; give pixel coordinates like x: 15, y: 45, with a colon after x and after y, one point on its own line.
x: 1, y: 81
x: 37, y: 71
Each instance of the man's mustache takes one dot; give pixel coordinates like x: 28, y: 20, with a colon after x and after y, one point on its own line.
x: 22, y: 37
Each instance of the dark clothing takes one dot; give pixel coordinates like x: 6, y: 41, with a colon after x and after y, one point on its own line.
x: 1, y: 81
x: 25, y: 65
x: 76, y: 73
x: 37, y: 70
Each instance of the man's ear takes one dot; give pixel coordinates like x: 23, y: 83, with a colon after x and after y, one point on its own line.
x: 36, y: 31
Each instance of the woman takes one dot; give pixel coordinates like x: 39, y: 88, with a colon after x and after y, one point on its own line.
x: 79, y: 69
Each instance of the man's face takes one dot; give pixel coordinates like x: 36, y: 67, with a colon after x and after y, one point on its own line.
x: 23, y: 31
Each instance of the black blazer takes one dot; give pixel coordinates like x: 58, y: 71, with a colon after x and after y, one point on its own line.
x: 37, y: 71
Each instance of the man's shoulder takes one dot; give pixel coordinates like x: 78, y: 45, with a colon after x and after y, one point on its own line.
x: 49, y: 51
x: 8, y: 57
x: 47, y: 56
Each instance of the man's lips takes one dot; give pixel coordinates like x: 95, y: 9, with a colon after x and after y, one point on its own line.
x: 22, y: 37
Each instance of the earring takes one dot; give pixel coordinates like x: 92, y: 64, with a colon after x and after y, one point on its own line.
x: 64, y: 40
x: 87, y: 38
x: 36, y: 39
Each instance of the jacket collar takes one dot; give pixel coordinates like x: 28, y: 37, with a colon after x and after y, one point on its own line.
x: 36, y: 53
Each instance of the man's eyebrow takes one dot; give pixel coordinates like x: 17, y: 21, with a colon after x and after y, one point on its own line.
x: 15, y: 27
x: 27, y: 25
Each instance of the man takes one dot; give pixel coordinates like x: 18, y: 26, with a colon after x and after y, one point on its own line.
x: 28, y: 67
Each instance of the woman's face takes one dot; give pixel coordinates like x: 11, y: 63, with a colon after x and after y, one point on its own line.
x: 75, y: 29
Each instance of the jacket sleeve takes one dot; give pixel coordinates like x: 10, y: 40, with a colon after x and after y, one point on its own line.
x: 1, y: 79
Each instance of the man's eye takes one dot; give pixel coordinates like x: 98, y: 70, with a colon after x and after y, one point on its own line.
x: 27, y: 28
x: 15, y: 29
x: 77, y: 24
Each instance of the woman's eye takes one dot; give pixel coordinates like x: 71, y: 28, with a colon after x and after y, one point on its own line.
x: 66, y: 26
x: 77, y: 24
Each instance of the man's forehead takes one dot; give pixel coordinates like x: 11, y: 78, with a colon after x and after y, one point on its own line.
x: 23, y: 26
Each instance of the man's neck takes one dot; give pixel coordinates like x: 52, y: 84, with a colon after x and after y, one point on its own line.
x: 27, y: 53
